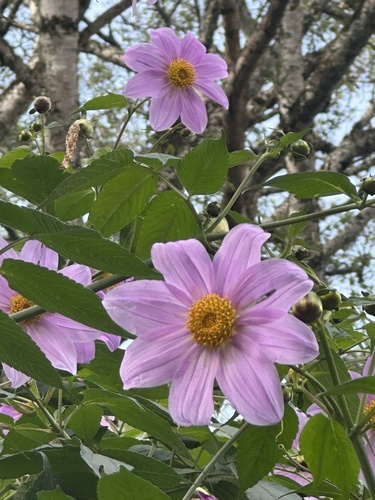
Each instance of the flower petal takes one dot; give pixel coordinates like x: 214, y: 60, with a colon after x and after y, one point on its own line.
x: 9, y: 254
x: 155, y: 360
x: 168, y: 42
x: 149, y: 83
x: 33, y: 251
x: 252, y: 385
x: 111, y: 341
x: 193, y: 111
x: 143, y: 306
x: 66, y: 327
x: 212, y: 67
x: 190, y: 395
x: 145, y: 56
x: 85, y: 352
x: 286, y: 340
x: 15, y: 377
x: 77, y: 272
x: 239, y: 250
x: 186, y: 268
x: 164, y: 111
x: 192, y: 50
x: 213, y: 91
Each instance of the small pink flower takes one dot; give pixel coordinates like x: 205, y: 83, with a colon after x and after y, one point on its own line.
x: 11, y: 412
x: 226, y: 319
x: 174, y: 72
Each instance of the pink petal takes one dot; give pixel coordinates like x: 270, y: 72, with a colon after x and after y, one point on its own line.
x: 241, y: 249
x: 192, y: 50
x: 15, y: 377
x: 5, y: 295
x: 251, y: 384
x: 154, y: 360
x: 212, y: 67
x: 85, y: 352
x: 9, y: 254
x: 190, y: 395
x: 111, y: 341
x: 193, y: 111
x: 145, y: 56
x: 286, y: 340
x: 168, y: 42
x: 77, y: 272
x: 33, y: 251
x: 62, y: 326
x: 148, y: 83
x: 213, y: 91
x: 186, y: 268
x: 143, y: 306
x: 164, y: 111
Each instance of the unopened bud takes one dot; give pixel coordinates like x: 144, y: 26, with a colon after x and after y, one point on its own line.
x: 301, y: 253
x: 185, y: 132
x: 213, y: 209
x: 287, y: 394
x: 299, y: 149
x: 42, y: 104
x: 308, y: 309
x: 87, y: 128
x: 36, y: 126
x: 331, y: 299
x: 368, y: 185
x: 25, y: 135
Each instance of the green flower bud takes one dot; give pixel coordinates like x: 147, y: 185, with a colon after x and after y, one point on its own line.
x: 368, y: 185
x: 308, y: 309
x: 331, y: 299
x: 287, y: 394
x: 301, y: 253
x: 42, y: 104
x: 87, y: 128
x: 213, y: 209
x: 36, y: 126
x: 300, y: 149
x: 25, y: 135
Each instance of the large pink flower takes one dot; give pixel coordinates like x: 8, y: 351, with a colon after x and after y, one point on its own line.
x: 173, y: 71
x: 64, y: 341
x: 226, y: 319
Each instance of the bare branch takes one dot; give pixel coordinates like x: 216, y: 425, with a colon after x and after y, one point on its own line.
x: 105, y: 52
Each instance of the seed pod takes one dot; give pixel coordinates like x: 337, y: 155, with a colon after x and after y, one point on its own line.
x: 42, y: 104
x: 25, y: 135
x: 36, y: 126
x: 368, y: 185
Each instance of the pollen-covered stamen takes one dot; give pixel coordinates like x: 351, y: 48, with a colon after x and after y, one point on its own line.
x: 181, y: 73
x: 211, y: 320
x: 370, y: 406
x: 19, y: 303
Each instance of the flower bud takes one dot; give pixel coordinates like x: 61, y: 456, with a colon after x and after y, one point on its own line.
x: 368, y: 185
x: 36, y: 126
x: 300, y: 253
x: 300, y: 149
x: 213, y: 209
x: 25, y: 135
x: 42, y: 104
x: 331, y: 299
x: 287, y: 394
x: 87, y: 128
x: 308, y: 309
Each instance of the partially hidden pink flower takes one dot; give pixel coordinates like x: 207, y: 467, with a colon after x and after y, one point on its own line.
x: 134, y: 5
x: 174, y: 72
x: 65, y: 342
x: 225, y: 319
x: 11, y: 412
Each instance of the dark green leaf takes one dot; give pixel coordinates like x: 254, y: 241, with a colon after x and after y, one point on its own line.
x: 18, y: 350
x: 26, y: 437
x: 358, y: 385
x: 168, y: 218
x: 240, y: 157
x: 85, y: 421
x: 80, y: 244
x: 104, y: 368
x: 45, y: 480
x: 56, y: 494
x: 203, y: 170
x: 158, y: 161
x: 265, y: 490
x: 329, y: 453
x: 74, y: 205
x: 108, y: 101
x: 11, y: 156
x: 20, y: 464
x: 55, y: 292
x: 241, y: 219
x: 127, y: 486
x: 122, y: 199
x: 312, y: 184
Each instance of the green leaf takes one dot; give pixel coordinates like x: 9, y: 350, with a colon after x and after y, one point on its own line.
x: 56, y: 293
x: 26, y: 437
x: 100, y: 171
x: 32, y: 177
x: 203, y: 170
x: 312, y: 184
x: 132, y: 412
x: 127, y: 486
x: 80, y: 244
x: 104, y: 368
x: 56, y: 494
x: 45, y: 480
x: 288, y: 139
x: 158, y: 161
x: 11, y: 156
x: 240, y: 157
x: 74, y: 205
x: 108, y: 101
x: 241, y: 219
x: 329, y: 453
x: 122, y: 199
x: 20, y: 464
x: 18, y: 350
x: 270, y: 491
x: 85, y: 422
x: 358, y: 385
x: 168, y: 218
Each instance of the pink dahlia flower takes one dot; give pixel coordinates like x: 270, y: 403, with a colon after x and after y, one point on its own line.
x: 65, y: 342
x: 226, y: 319
x: 174, y: 72
x: 134, y: 5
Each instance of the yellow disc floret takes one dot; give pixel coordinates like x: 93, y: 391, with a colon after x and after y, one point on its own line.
x: 19, y: 303
x: 211, y: 320
x: 181, y: 73
x: 370, y: 406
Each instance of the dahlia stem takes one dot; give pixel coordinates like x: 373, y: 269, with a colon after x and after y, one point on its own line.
x: 214, y: 460
x: 131, y: 110
x: 169, y: 132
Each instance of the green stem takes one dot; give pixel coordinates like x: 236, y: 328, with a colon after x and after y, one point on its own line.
x: 43, y: 134
x: 131, y: 111
x: 13, y: 244
x: 214, y: 460
x: 169, y: 132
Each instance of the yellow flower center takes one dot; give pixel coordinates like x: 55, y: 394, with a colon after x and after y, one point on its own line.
x: 367, y: 410
x: 19, y: 303
x: 211, y: 320
x: 181, y: 73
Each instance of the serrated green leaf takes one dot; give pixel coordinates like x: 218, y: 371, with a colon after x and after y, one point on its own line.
x: 100, y: 171
x: 203, y: 170
x: 56, y: 293
x: 104, y: 368
x: 18, y: 350
x: 107, y: 101
x: 56, y: 494
x: 167, y: 218
x: 239, y: 157
x: 85, y: 421
x: 158, y: 161
x: 241, y: 219
x: 359, y: 385
x: 313, y: 184
x: 80, y: 244
x: 270, y: 491
x: 122, y: 199
x: 32, y: 177
x: 127, y: 486
x: 11, y: 156
x: 74, y: 205
x: 329, y: 453
x: 20, y: 464
x: 26, y: 437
